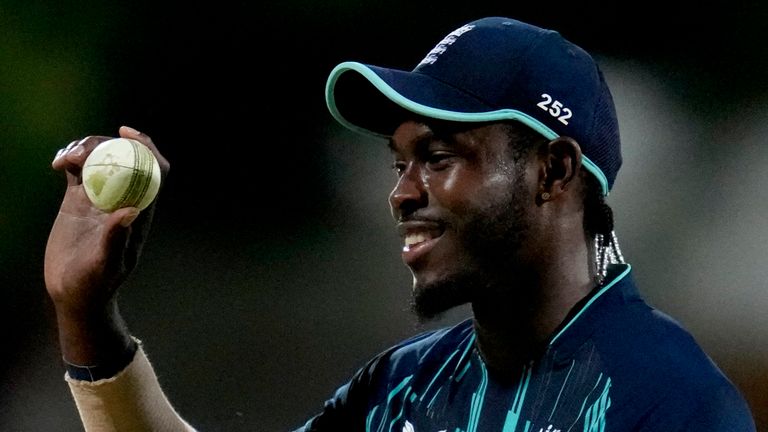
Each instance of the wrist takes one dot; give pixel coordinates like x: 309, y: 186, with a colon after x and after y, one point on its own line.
x: 109, y: 369
x: 94, y: 338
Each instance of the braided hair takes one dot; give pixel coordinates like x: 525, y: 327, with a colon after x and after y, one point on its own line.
x: 598, y: 225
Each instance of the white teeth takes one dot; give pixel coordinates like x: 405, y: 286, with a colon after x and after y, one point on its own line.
x: 414, y: 238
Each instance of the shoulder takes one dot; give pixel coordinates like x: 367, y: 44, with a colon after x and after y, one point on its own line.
x: 432, y: 344
x: 651, y: 339
x: 721, y: 408
x: 384, y: 375
x: 416, y: 354
x: 656, y: 359
x: 629, y: 334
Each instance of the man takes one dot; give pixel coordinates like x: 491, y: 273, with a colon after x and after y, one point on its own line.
x: 505, y: 143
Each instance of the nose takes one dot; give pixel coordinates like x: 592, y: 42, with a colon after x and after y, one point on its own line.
x: 409, y: 194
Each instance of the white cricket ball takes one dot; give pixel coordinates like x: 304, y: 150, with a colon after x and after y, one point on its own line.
x: 119, y: 173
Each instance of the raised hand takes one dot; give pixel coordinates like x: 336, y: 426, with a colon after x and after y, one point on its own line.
x: 89, y: 255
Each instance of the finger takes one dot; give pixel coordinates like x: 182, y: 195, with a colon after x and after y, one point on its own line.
x: 65, y: 149
x: 129, y: 132
x: 58, y: 162
x: 116, y: 224
x: 72, y: 157
x: 74, y: 154
x: 117, y: 231
x: 121, y: 228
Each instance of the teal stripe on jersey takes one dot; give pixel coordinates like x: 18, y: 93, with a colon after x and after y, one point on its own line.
x: 573, y: 362
x: 402, y: 408
x: 513, y: 415
x: 370, y: 418
x: 429, y: 405
x: 599, y: 378
x: 439, y: 371
x: 594, y: 420
x: 391, y: 396
x: 477, y: 401
x: 463, y: 371
x: 464, y: 355
x: 398, y: 388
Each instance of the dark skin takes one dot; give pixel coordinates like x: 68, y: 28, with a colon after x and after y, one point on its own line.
x: 446, y: 180
x: 88, y: 256
x: 443, y: 186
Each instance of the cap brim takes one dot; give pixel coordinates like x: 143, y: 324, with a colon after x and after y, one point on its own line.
x: 375, y: 101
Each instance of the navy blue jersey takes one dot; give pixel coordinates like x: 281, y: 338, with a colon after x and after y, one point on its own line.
x: 614, y: 365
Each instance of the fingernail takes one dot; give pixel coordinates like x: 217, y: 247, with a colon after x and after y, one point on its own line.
x: 129, y: 217
x: 132, y: 130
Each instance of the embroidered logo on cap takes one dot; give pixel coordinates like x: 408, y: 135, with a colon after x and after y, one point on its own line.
x: 443, y: 45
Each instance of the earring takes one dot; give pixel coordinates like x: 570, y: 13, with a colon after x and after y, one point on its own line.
x: 545, y: 196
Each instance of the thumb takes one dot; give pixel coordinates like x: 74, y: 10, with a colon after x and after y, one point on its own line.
x: 125, y: 216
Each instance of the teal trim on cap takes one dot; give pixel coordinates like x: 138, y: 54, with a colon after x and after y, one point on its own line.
x: 592, y: 300
x: 597, y: 172
x: 424, y: 110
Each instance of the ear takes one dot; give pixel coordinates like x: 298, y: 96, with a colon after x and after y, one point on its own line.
x: 561, y: 163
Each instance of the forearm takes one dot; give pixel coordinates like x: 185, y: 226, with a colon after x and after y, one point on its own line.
x: 132, y: 400
x: 95, y: 338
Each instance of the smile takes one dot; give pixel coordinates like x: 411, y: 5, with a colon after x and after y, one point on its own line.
x: 416, y: 238
x: 419, y: 237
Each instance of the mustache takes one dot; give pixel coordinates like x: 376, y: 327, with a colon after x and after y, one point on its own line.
x: 421, y: 217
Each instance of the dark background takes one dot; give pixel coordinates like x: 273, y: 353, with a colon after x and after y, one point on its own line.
x: 273, y: 270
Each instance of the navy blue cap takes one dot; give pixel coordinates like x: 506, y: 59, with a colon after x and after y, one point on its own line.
x: 491, y: 69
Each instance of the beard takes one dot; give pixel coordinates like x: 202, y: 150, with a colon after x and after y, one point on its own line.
x: 430, y: 302
x: 491, y: 239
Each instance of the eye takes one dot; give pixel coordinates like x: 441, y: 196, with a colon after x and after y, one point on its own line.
x: 398, y: 167
x: 438, y: 160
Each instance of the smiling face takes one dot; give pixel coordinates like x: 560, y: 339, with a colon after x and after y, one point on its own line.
x: 464, y: 204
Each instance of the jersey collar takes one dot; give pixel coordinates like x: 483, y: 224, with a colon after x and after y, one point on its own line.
x: 588, y: 314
